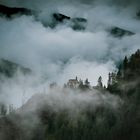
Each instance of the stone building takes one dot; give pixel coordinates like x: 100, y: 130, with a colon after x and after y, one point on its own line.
x: 73, y: 83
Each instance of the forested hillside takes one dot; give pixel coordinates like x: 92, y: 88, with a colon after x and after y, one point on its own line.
x: 99, y: 123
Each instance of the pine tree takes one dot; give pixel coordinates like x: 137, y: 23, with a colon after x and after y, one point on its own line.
x: 125, y: 63
x: 100, y: 84
x: 87, y: 82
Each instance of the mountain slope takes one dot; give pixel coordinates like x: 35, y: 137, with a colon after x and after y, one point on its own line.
x: 8, y: 68
x: 10, y: 11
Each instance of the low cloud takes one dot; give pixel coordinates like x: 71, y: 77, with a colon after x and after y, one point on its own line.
x: 62, y: 53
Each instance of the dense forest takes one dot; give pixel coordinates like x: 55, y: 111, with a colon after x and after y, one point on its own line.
x: 100, y: 123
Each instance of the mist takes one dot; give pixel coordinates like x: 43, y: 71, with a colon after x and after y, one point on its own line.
x: 43, y: 101
x: 62, y: 53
